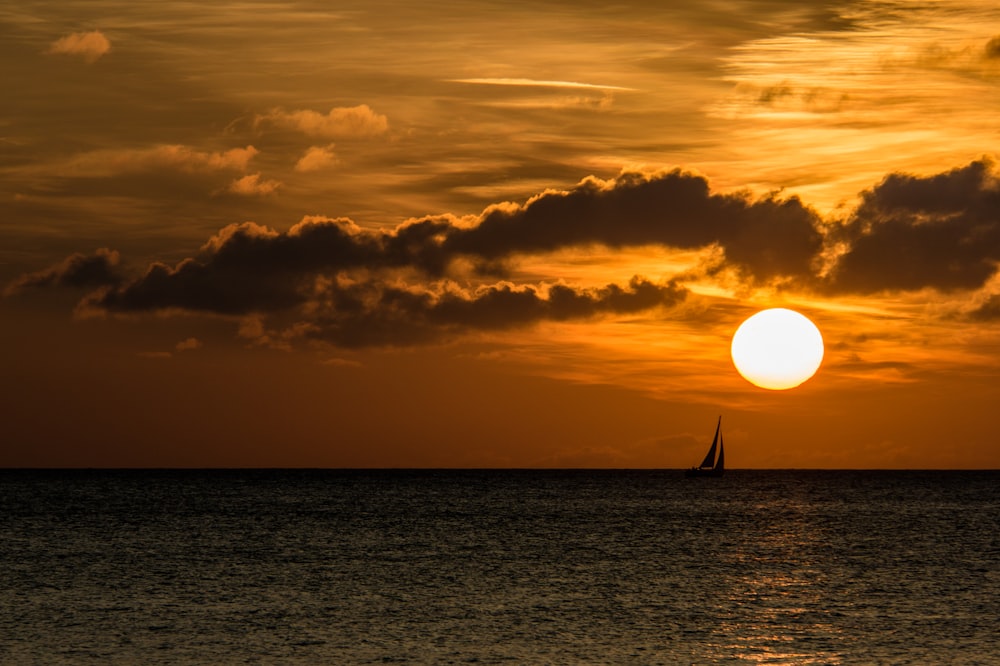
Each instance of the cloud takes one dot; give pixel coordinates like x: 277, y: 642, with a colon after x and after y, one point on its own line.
x: 247, y: 267
x: 193, y: 286
x: 252, y: 185
x: 87, y: 45
x: 765, y: 238
x: 188, y: 344
x: 77, y: 270
x: 988, y: 310
x: 433, y: 277
x: 992, y: 49
x: 339, y: 122
x: 175, y: 157
x: 373, y: 313
x: 536, y: 83
x: 316, y: 158
x: 913, y: 232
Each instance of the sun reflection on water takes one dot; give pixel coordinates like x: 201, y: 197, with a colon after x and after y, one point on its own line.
x: 776, y: 608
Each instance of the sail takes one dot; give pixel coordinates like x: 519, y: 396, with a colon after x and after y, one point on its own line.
x: 709, y: 460
x: 710, y: 466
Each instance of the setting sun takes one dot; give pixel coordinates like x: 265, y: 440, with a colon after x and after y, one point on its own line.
x: 777, y: 349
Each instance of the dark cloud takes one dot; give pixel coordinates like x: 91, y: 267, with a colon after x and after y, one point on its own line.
x: 77, y: 270
x: 375, y: 314
x: 765, y: 238
x: 249, y: 268
x: 992, y: 49
x: 988, y: 310
x: 912, y: 232
x: 500, y: 306
x: 360, y: 287
x: 193, y: 286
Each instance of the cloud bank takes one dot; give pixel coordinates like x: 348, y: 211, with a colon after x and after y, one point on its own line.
x: 353, y: 286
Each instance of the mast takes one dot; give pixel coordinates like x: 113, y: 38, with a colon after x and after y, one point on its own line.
x: 709, y: 460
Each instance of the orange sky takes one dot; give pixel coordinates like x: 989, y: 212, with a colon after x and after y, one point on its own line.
x: 487, y: 234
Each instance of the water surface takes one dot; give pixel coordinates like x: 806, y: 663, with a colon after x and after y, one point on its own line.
x: 777, y: 567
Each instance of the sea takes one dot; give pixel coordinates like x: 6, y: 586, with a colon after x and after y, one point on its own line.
x: 499, y: 567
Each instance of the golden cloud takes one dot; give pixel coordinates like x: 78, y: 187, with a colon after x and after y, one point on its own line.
x: 354, y: 121
x: 110, y: 162
x: 316, y: 159
x: 252, y: 185
x: 87, y: 45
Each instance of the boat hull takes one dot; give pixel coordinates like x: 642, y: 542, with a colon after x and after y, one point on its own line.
x: 696, y: 473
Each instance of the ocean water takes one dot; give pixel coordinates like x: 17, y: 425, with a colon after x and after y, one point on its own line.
x: 490, y: 567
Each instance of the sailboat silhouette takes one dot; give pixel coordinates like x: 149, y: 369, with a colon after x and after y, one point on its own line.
x: 711, y: 466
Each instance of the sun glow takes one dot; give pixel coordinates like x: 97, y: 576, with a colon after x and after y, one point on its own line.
x: 777, y: 349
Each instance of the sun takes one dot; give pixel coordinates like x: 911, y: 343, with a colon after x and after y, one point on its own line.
x: 777, y: 349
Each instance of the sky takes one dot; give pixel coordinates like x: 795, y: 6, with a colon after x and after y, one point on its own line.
x: 495, y: 234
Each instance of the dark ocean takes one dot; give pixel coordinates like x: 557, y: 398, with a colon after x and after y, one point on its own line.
x: 488, y: 567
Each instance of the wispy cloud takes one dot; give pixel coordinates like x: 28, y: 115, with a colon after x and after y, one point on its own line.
x: 829, y: 111
x: 87, y: 45
x: 111, y: 162
x: 537, y: 83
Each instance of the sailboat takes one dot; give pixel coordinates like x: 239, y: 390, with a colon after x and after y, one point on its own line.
x: 711, y: 466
